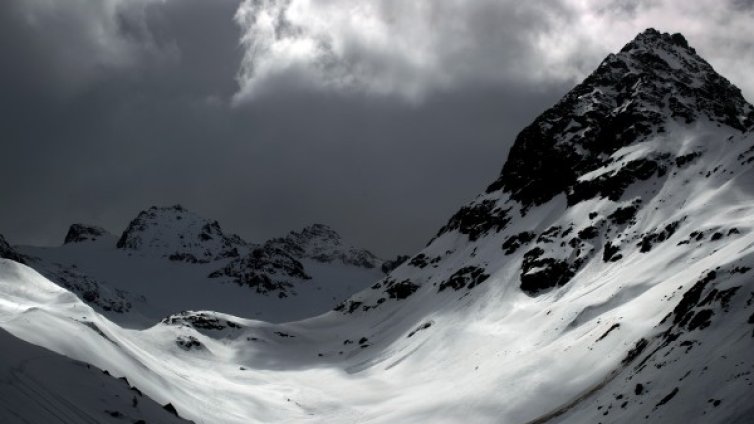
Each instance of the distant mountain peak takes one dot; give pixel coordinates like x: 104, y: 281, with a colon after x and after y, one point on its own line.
x: 656, y: 79
x: 78, y: 233
x: 178, y: 234
x: 323, y: 244
x: 319, y: 232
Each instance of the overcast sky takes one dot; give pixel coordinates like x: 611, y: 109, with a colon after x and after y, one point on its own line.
x: 377, y: 117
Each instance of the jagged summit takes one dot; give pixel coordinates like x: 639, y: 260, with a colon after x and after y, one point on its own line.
x: 78, y: 233
x: 652, y: 38
x: 276, y: 265
x: 178, y: 234
x: 323, y: 244
x: 656, y: 79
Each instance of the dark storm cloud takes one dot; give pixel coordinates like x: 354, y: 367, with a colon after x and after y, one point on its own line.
x: 379, y: 118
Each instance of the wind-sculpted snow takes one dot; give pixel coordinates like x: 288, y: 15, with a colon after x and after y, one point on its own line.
x: 39, y: 386
x: 623, y: 292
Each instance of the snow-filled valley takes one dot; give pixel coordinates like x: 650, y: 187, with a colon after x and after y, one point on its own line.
x: 606, y: 276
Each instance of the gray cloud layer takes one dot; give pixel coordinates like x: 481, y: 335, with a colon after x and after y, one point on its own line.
x: 377, y: 117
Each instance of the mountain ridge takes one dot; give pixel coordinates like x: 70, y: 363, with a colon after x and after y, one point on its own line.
x: 623, y: 293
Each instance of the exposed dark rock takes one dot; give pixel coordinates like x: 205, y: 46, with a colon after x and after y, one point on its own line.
x: 611, y: 253
x: 720, y: 296
x: 634, y: 353
x: 400, y: 290
x: 539, y: 274
x: 200, y: 321
x: 652, y: 239
x: 639, y: 389
x: 421, y: 260
x: 466, y: 277
x: 349, y: 306
x: 188, y: 343
x: 512, y: 243
x: 589, y: 233
x: 700, y: 320
x: 624, y: 215
x: 170, y: 408
x: 612, y: 327
x: 321, y: 243
x: 266, y: 269
x: 392, y: 264
x: 423, y: 326
x: 549, y: 234
x: 477, y: 219
x: 682, y: 311
x: 612, y: 184
x: 685, y: 160
x: 667, y: 397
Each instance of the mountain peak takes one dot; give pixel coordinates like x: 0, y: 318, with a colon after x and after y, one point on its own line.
x: 320, y: 232
x: 323, y: 244
x: 652, y: 38
x: 179, y: 234
x: 657, y: 79
x: 78, y: 233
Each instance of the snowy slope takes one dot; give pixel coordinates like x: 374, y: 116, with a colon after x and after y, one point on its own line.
x: 38, y: 386
x: 605, y: 277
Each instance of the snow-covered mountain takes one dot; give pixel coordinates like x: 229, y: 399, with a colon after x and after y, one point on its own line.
x: 606, y: 276
x: 179, y: 235
x: 170, y: 259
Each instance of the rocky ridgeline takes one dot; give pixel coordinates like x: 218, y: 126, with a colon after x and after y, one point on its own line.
x: 276, y: 265
x: 272, y: 268
x: 266, y: 269
x: 322, y: 244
